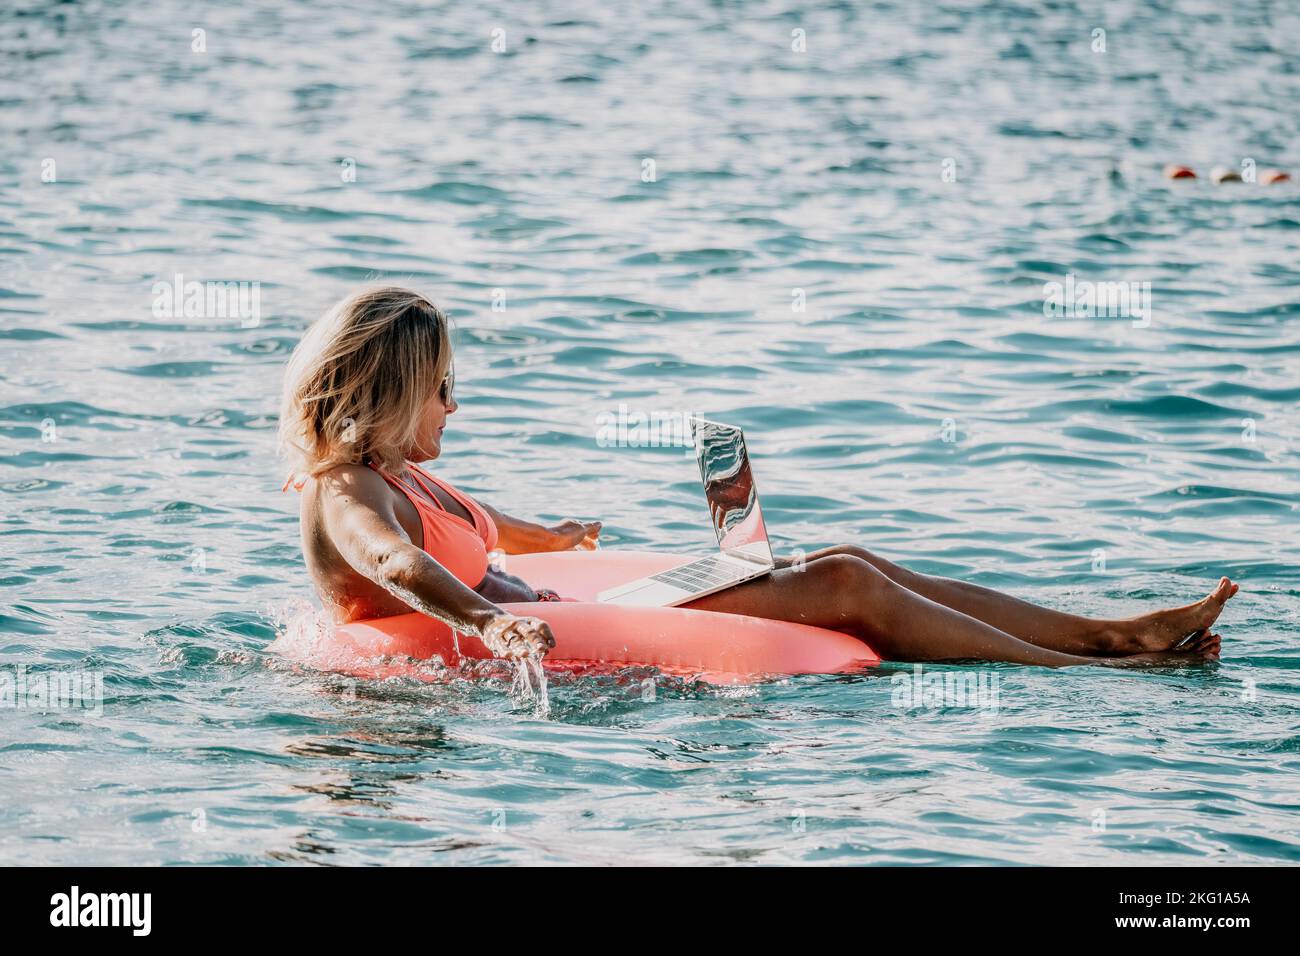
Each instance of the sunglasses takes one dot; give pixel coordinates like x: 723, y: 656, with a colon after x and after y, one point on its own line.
x: 448, y: 383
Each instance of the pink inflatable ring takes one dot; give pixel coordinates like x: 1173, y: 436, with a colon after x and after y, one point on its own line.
x: 720, y: 648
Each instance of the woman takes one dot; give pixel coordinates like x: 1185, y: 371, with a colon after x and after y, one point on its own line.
x: 368, y: 392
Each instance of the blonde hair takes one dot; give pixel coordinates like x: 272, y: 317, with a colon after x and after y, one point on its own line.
x: 357, y: 383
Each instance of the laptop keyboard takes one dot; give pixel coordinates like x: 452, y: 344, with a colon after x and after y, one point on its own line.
x: 700, y: 575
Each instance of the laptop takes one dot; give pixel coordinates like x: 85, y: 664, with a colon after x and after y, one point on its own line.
x: 743, y: 549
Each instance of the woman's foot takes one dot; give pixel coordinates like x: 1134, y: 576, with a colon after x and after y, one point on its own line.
x: 1202, y: 647
x: 1164, y: 630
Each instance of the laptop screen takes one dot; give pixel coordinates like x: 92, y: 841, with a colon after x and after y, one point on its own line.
x: 729, y: 489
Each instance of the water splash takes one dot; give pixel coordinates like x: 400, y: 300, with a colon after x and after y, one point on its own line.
x: 305, y: 634
x: 530, y: 686
x: 303, y: 630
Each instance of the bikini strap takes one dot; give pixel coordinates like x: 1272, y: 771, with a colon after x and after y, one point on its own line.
x: 431, y: 498
x: 415, y: 473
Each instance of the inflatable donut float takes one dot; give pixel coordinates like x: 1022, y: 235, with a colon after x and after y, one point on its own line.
x: 718, y: 648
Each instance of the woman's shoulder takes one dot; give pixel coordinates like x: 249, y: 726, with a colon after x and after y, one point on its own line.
x: 353, y: 481
x: 340, y: 492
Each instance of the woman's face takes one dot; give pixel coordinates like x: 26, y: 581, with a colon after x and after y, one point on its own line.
x: 432, y: 421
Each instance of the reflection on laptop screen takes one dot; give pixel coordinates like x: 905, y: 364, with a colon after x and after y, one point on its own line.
x: 729, y: 489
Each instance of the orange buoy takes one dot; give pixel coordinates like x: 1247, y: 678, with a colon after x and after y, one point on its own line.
x: 1173, y: 171
x: 1270, y: 176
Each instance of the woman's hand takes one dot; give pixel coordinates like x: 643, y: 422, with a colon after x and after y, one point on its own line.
x: 515, y: 638
x: 572, y: 533
x: 501, y: 588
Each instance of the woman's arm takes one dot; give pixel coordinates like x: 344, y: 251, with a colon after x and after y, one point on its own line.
x: 358, y: 514
x: 517, y: 536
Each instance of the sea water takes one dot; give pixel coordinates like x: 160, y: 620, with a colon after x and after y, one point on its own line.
x: 830, y: 223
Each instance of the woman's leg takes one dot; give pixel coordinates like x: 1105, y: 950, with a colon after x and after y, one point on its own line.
x: 848, y: 594
x: 1045, y: 627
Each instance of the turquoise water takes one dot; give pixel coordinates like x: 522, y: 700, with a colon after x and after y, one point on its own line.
x: 1094, y: 464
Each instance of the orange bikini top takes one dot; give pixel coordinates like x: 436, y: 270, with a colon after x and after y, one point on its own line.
x: 460, y: 547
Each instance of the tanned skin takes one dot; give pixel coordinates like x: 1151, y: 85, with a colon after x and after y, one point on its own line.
x: 362, y: 537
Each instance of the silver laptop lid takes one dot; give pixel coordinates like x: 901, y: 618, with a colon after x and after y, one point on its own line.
x: 729, y: 488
